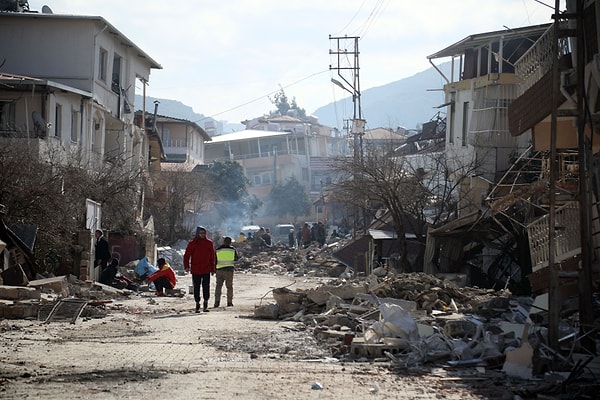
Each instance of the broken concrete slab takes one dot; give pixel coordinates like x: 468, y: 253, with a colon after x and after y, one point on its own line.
x: 58, y: 285
x: 268, y: 311
x: 321, y: 294
x: 519, y: 362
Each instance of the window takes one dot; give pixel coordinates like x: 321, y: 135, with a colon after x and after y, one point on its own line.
x: 74, y: 126
x: 116, y: 74
x: 264, y: 178
x: 57, y: 120
x: 102, y: 60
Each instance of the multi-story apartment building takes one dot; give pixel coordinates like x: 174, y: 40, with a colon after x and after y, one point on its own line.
x: 68, y: 86
x: 274, y: 149
x: 73, y: 81
x: 478, y: 91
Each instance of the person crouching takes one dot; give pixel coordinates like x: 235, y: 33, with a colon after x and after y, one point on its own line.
x: 164, y: 279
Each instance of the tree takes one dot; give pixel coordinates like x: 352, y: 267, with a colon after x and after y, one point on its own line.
x: 380, y: 181
x: 234, y: 204
x: 48, y: 187
x: 289, y: 198
x: 177, y: 192
x: 283, y: 105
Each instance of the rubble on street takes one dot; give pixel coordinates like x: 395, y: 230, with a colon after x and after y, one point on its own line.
x: 411, y: 321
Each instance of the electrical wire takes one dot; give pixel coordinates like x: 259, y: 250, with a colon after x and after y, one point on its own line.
x: 263, y: 96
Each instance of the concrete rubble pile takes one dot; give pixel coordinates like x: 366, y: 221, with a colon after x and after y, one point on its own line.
x: 418, y: 320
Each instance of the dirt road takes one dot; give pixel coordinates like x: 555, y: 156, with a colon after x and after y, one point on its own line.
x: 157, y: 347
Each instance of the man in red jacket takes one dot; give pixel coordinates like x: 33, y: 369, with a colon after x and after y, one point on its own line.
x: 200, y: 259
x: 164, y: 278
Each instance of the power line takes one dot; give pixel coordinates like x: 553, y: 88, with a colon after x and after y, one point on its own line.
x: 263, y: 96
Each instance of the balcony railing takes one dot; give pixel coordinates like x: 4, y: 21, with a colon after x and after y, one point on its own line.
x: 567, y: 241
x: 537, y: 61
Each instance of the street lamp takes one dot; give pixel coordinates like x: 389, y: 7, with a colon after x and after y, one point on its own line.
x: 341, y: 85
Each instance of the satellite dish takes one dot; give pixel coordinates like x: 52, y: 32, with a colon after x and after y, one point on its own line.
x: 46, y: 10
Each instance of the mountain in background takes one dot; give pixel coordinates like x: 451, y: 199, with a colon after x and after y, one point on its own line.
x: 406, y: 103
x: 176, y: 109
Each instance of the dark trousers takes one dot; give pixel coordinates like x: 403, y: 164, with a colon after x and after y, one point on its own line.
x: 204, y: 280
x: 162, y: 283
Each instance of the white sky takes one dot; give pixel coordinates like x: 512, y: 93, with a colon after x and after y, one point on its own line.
x: 225, y: 58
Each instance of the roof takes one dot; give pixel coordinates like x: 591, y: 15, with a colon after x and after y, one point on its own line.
x: 96, y: 19
x: 10, y: 81
x: 482, y: 39
x: 247, y: 134
x: 163, y: 119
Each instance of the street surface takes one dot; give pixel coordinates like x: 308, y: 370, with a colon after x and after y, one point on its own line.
x: 151, y: 347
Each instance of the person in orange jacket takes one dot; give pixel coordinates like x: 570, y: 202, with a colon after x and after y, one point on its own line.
x: 200, y: 260
x: 164, y: 278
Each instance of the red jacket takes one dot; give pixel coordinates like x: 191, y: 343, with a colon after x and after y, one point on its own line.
x: 199, y: 256
x: 167, y: 272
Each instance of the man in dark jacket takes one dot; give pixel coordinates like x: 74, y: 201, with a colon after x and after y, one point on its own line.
x: 199, y: 259
x: 101, y: 250
x: 226, y: 258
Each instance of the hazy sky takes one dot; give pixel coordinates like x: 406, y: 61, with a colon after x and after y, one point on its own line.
x: 226, y: 58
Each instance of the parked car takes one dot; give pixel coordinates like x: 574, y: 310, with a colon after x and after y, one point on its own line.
x: 280, y: 233
x: 250, y: 229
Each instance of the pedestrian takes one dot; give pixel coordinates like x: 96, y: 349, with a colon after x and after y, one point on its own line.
x: 199, y: 259
x: 320, y: 234
x: 164, y: 279
x: 306, y: 235
x: 266, y: 237
x: 226, y: 258
x: 101, y: 250
x: 241, y: 238
x: 110, y: 273
x: 291, y: 238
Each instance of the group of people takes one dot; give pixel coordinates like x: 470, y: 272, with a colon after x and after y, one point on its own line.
x: 308, y: 234
x: 200, y: 258
x: 203, y: 260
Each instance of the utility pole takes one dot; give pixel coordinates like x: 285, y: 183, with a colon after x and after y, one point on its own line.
x: 347, y: 61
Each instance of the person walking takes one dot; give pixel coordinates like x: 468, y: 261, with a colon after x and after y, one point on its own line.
x: 199, y: 259
x: 101, y: 250
x: 226, y: 258
x: 306, y: 236
x: 164, y: 279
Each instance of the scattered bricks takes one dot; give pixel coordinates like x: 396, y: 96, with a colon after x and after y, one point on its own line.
x: 58, y: 284
x: 19, y: 293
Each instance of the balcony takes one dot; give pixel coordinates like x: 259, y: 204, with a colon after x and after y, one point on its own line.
x: 537, y: 61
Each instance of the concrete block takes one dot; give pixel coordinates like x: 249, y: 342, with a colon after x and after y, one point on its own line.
x: 321, y: 295
x: 58, y: 285
x: 19, y: 293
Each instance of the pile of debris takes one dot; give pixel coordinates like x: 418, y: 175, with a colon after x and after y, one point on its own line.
x: 417, y: 319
